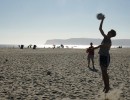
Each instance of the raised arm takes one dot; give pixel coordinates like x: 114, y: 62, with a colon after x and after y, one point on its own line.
x: 100, y: 28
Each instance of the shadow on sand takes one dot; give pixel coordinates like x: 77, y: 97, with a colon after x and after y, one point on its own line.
x: 93, y: 69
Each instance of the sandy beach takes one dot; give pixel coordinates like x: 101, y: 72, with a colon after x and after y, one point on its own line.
x: 61, y: 74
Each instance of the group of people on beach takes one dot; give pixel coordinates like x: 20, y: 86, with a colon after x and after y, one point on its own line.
x: 104, y: 56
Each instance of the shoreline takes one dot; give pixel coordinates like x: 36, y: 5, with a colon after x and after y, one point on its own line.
x: 57, y: 46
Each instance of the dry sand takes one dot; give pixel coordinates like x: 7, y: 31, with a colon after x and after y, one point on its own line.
x: 61, y: 74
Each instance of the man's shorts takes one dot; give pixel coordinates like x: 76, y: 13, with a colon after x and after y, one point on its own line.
x: 90, y: 57
x: 104, y: 61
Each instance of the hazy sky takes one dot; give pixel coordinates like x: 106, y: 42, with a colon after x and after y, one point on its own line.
x: 35, y: 21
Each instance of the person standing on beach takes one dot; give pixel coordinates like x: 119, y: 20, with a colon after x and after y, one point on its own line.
x: 90, y: 56
x: 104, y: 56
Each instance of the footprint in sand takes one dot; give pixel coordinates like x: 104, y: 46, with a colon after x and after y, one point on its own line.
x: 114, y: 94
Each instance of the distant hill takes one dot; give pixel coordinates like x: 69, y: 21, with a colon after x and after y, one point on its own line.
x: 86, y: 41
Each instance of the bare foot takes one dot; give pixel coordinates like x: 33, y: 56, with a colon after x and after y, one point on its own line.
x: 106, y: 89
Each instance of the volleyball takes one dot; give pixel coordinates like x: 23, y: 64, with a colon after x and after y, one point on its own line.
x: 100, y: 16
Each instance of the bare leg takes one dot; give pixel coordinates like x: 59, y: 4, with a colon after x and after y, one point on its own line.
x: 93, y: 63
x: 88, y: 62
x: 106, y: 80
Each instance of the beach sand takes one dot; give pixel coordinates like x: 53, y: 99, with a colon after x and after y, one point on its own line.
x: 61, y: 74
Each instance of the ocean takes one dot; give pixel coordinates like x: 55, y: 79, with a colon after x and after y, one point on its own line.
x: 56, y: 46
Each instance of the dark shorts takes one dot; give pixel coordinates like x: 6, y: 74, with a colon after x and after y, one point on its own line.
x: 104, y: 61
x: 90, y: 57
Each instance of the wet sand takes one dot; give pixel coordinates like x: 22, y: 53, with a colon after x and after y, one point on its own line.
x: 61, y: 74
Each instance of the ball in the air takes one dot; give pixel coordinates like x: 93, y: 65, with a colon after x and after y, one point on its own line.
x: 100, y: 16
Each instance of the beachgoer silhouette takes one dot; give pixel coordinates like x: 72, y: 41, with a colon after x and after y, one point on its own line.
x: 30, y: 46
x: 21, y: 46
x: 90, y: 56
x: 34, y: 47
x: 54, y: 46
x: 62, y: 46
x: 104, y: 54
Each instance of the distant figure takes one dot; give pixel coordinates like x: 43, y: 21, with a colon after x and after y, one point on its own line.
x: 62, y: 46
x: 120, y: 47
x: 54, y: 46
x: 90, y: 56
x: 21, y: 46
x: 34, y: 47
x: 104, y: 54
x: 30, y: 46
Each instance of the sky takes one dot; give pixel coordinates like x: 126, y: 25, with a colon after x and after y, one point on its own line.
x: 36, y: 21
